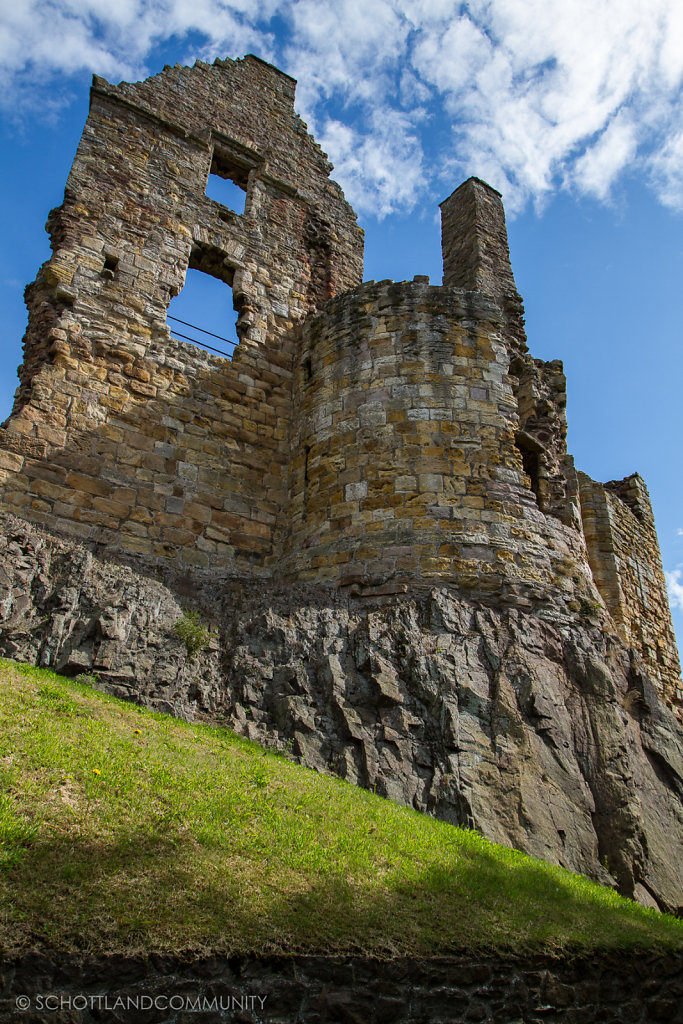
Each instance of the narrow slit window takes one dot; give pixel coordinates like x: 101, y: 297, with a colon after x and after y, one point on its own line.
x: 202, y: 313
x: 530, y: 462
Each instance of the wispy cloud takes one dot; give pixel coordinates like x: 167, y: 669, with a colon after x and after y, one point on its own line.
x: 381, y: 171
x: 409, y: 95
x: 601, y: 164
x: 674, y: 585
x: 43, y: 40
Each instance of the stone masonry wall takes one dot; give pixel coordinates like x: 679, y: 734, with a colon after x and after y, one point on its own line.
x: 121, y: 434
x: 407, y: 469
x: 475, y: 251
x: 624, y: 556
x: 441, y: 990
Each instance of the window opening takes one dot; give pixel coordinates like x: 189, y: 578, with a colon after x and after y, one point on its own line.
x: 226, y: 192
x: 227, y: 182
x: 531, y: 463
x: 203, y: 314
x: 111, y: 262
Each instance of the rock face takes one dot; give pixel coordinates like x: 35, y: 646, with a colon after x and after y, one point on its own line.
x: 544, y: 735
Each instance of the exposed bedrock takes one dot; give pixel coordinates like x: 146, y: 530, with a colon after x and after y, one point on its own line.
x: 547, y: 736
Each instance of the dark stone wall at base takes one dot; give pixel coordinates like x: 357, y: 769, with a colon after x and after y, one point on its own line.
x: 314, y: 989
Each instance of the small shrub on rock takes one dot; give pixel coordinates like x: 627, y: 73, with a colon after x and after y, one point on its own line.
x: 193, y: 633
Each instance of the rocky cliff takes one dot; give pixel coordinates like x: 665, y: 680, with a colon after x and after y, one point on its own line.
x: 547, y: 736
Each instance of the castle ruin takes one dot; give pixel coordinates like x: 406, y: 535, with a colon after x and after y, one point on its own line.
x: 376, y: 439
x: 370, y: 435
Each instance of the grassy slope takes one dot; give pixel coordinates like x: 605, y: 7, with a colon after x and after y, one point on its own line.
x: 123, y: 830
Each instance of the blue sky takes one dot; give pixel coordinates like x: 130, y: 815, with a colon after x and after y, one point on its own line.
x: 571, y: 108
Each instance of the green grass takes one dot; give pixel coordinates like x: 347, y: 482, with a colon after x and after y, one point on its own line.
x: 125, y: 830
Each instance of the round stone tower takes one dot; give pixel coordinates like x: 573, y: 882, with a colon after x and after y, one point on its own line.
x: 409, y: 463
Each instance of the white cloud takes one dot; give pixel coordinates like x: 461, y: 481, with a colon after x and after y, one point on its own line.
x: 554, y: 92
x: 345, y: 49
x: 452, y: 61
x: 666, y: 170
x: 113, y: 39
x: 671, y: 54
x: 599, y: 166
x: 380, y: 172
x: 534, y: 95
x: 674, y: 585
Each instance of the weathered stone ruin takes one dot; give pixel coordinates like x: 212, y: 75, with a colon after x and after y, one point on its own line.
x: 371, y: 502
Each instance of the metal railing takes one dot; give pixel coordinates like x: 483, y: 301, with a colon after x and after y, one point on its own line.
x: 211, y: 334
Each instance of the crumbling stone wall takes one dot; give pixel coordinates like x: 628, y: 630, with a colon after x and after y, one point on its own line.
x: 637, y: 987
x: 541, y: 392
x: 121, y: 434
x: 623, y: 552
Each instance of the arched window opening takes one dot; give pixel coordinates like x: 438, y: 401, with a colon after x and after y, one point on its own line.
x: 203, y: 314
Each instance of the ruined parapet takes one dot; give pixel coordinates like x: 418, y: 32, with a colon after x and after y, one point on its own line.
x: 540, y: 389
x: 476, y: 255
x: 624, y: 556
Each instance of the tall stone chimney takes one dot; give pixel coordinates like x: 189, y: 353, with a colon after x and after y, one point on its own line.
x: 475, y: 250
